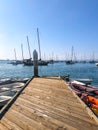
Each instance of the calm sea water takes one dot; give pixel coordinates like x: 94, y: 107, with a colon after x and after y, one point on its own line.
x: 78, y: 70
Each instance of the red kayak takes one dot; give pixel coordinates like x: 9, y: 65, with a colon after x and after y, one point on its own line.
x: 82, y: 87
x: 82, y: 90
x: 92, y: 102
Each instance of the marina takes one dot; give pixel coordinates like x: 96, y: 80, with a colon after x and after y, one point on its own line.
x: 75, y: 71
x: 46, y: 102
x: 49, y: 65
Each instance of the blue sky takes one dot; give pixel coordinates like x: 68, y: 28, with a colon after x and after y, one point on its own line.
x: 62, y: 24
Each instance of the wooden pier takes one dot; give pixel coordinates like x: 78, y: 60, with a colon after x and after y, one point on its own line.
x: 47, y: 103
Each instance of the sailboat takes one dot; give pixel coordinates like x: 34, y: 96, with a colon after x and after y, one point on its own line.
x: 29, y: 61
x: 40, y: 61
x: 68, y: 62
x: 15, y: 62
x: 92, y: 59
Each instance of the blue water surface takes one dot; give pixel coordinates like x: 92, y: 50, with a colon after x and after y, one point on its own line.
x: 78, y: 70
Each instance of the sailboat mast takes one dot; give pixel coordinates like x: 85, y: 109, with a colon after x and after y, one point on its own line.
x: 93, y: 57
x: 15, y: 55
x: 28, y: 47
x: 39, y: 44
x: 22, y: 51
x: 72, y: 53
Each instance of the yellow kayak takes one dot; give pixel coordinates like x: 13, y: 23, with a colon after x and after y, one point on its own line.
x: 95, y: 111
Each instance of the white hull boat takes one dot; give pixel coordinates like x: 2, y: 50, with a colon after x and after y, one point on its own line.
x: 12, y: 85
x: 85, y: 81
x: 9, y: 92
x: 10, y: 89
x: 5, y: 81
x: 4, y: 100
x: 96, y: 64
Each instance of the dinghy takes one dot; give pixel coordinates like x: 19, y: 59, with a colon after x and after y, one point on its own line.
x: 4, y: 100
x: 10, y: 89
x: 9, y: 92
x: 23, y: 80
x: 5, y: 81
x: 13, y: 85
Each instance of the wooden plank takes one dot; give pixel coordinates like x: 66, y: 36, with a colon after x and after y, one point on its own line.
x: 3, y: 127
x: 10, y: 124
x: 57, y: 83
x: 23, y: 121
x: 48, y: 108
x: 61, y: 105
x: 63, y: 118
x: 40, y: 117
x: 49, y: 90
x: 50, y: 85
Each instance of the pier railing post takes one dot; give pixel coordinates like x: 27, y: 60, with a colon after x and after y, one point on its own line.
x: 35, y: 63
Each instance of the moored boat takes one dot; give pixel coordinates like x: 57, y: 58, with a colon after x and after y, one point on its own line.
x: 13, y: 85
x: 85, y: 81
x: 92, y: 102
x: 95, y: 111
x: 4, y: 100
x: 73, y: 58
x: 96, y: 64
x: 5, y: 81
x: 69, y: 62
x: 10, y: 92
x: 89, y: 95
x: 10, y: 89
x: 28, y: 62
x: 40, y: 63
x: 22, y: 80
x: 82, y: 90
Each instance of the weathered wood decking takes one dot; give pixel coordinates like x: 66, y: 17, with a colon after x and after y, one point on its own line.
x: 48, y: 104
